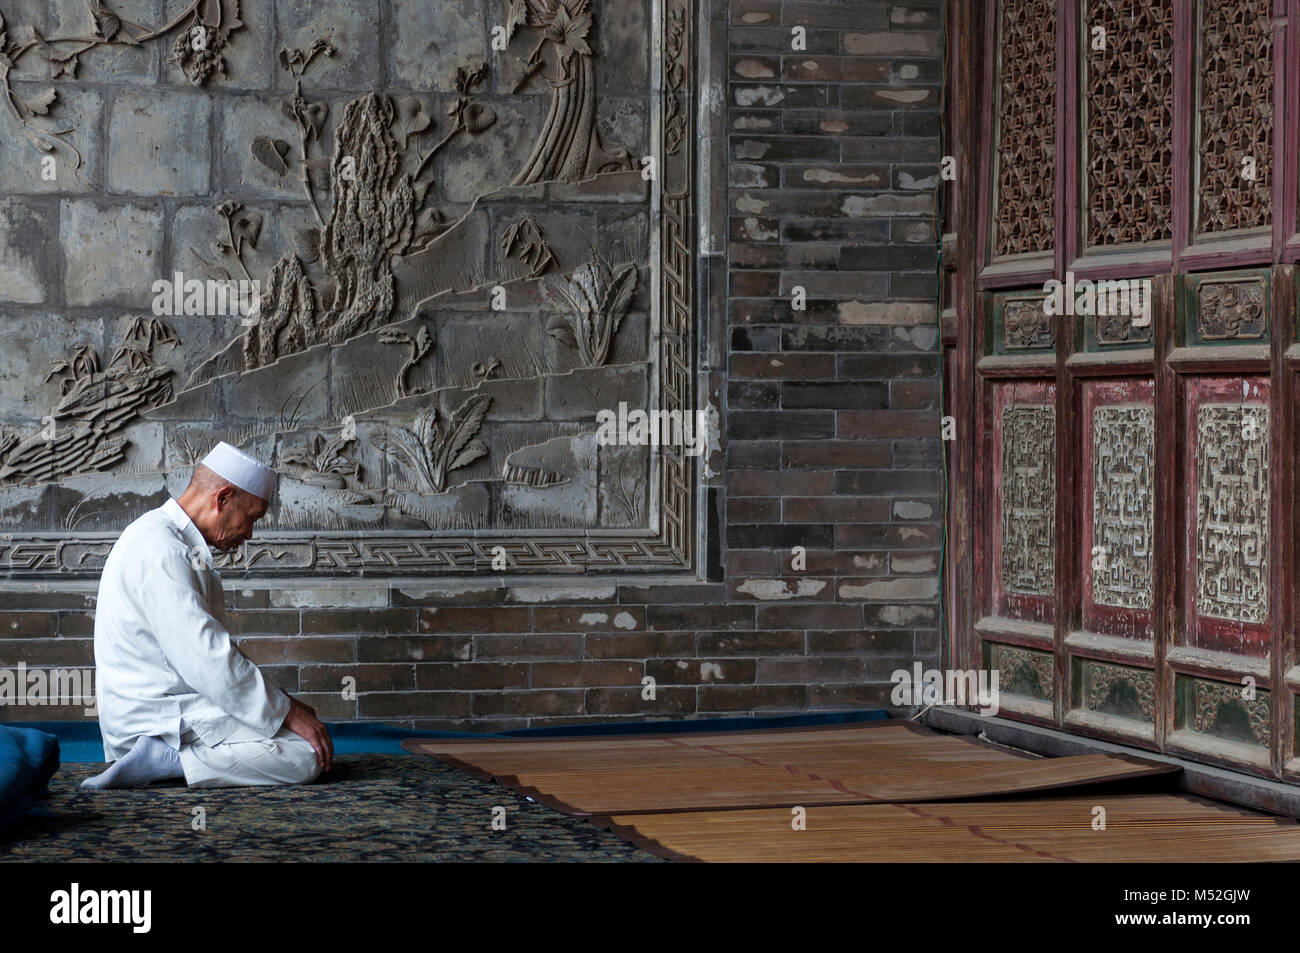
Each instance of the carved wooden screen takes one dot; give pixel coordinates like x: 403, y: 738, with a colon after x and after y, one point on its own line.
x: 1128, y: 379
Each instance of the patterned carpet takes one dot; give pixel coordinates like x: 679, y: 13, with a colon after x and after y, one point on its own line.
x: 368, y: 808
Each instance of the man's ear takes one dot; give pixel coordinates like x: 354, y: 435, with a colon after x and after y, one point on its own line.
x: 224, y: 497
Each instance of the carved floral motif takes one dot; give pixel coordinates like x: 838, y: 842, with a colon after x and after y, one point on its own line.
x: 1231, y: 309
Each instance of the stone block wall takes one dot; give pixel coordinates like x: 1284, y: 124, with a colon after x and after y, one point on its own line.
x: 820, y: 168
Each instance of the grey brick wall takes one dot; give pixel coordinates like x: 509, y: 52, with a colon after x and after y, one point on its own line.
x: 830, y: 414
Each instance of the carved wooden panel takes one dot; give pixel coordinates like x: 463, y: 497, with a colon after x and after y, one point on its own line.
x: 1026, y: 327
x: 1028, y: 498
x: 1228, y: 527
x: 1127, y: 91
x: 1232, y: 511
x: 1123, y: 450
x: 1026, y: 127
x: 1021, y: 671
x: 1235, y: 91
x: 1119, y: 690
x: 1020, y: 532
x: 1227, y: 711
x: 1120, y: 330
x: 1232, y: 309
x: 1117, y: 485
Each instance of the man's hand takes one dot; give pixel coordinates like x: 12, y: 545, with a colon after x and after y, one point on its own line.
x: 302, y: 721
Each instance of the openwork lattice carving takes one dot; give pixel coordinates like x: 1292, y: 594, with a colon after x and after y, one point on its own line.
x: 1103, y: 683
x: 1129, y: 99
x: 1026, y: 127
x: 1231, y: 309
x: 1211, y: 696
x: 1236, y: 114
x: 1123, y: 444
x: 1027, y: 327
x: 1232, y: 512
x: 1028, y: 498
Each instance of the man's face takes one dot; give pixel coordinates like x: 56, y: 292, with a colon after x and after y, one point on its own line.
x: 237, y: 511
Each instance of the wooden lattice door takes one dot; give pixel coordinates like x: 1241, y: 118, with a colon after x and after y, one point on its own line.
x: 1122, y: 359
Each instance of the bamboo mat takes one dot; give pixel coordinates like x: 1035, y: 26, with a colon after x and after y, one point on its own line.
x: 1139, y: 828
x: 882, y: 761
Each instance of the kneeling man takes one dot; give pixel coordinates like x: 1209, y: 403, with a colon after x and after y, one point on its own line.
x: 176, y: 697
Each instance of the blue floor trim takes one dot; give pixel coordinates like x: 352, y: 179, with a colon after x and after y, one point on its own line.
x: 81, y: 741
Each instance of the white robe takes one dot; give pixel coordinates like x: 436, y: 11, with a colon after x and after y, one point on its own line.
x: 163, y: 651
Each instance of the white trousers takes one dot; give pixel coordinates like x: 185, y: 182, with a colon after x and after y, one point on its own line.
x: 247, y: 759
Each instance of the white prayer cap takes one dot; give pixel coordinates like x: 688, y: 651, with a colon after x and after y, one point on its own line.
x: 241, y: 469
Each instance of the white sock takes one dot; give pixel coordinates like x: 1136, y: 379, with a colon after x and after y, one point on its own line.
x: 151, y: 759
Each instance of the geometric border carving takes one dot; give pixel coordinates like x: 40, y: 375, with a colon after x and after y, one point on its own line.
x: 1123, y: 451
x: 1232, y: 505
x: 1029, y: 498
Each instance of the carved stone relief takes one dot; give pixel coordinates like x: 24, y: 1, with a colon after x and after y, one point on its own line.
x: 1236, y: 114
x: 1026, y: 326
x: 1028, y: 498
x: 426, y: 374
x: 1232, y: 309
x: 1026, y: 129
x: 1232, y: 512
x: 1128, y: 92
x: 1123, y: 447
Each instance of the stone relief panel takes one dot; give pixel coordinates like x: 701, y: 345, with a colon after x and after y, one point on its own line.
x: 1232, y: 527
x: 1128, y: 94
x: 449, y: 290
x: 1028, y: 499
x: 1123, y: 447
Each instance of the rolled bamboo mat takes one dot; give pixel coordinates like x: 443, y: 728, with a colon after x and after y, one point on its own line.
x: 1138, y: 828
x: 855, y: 764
